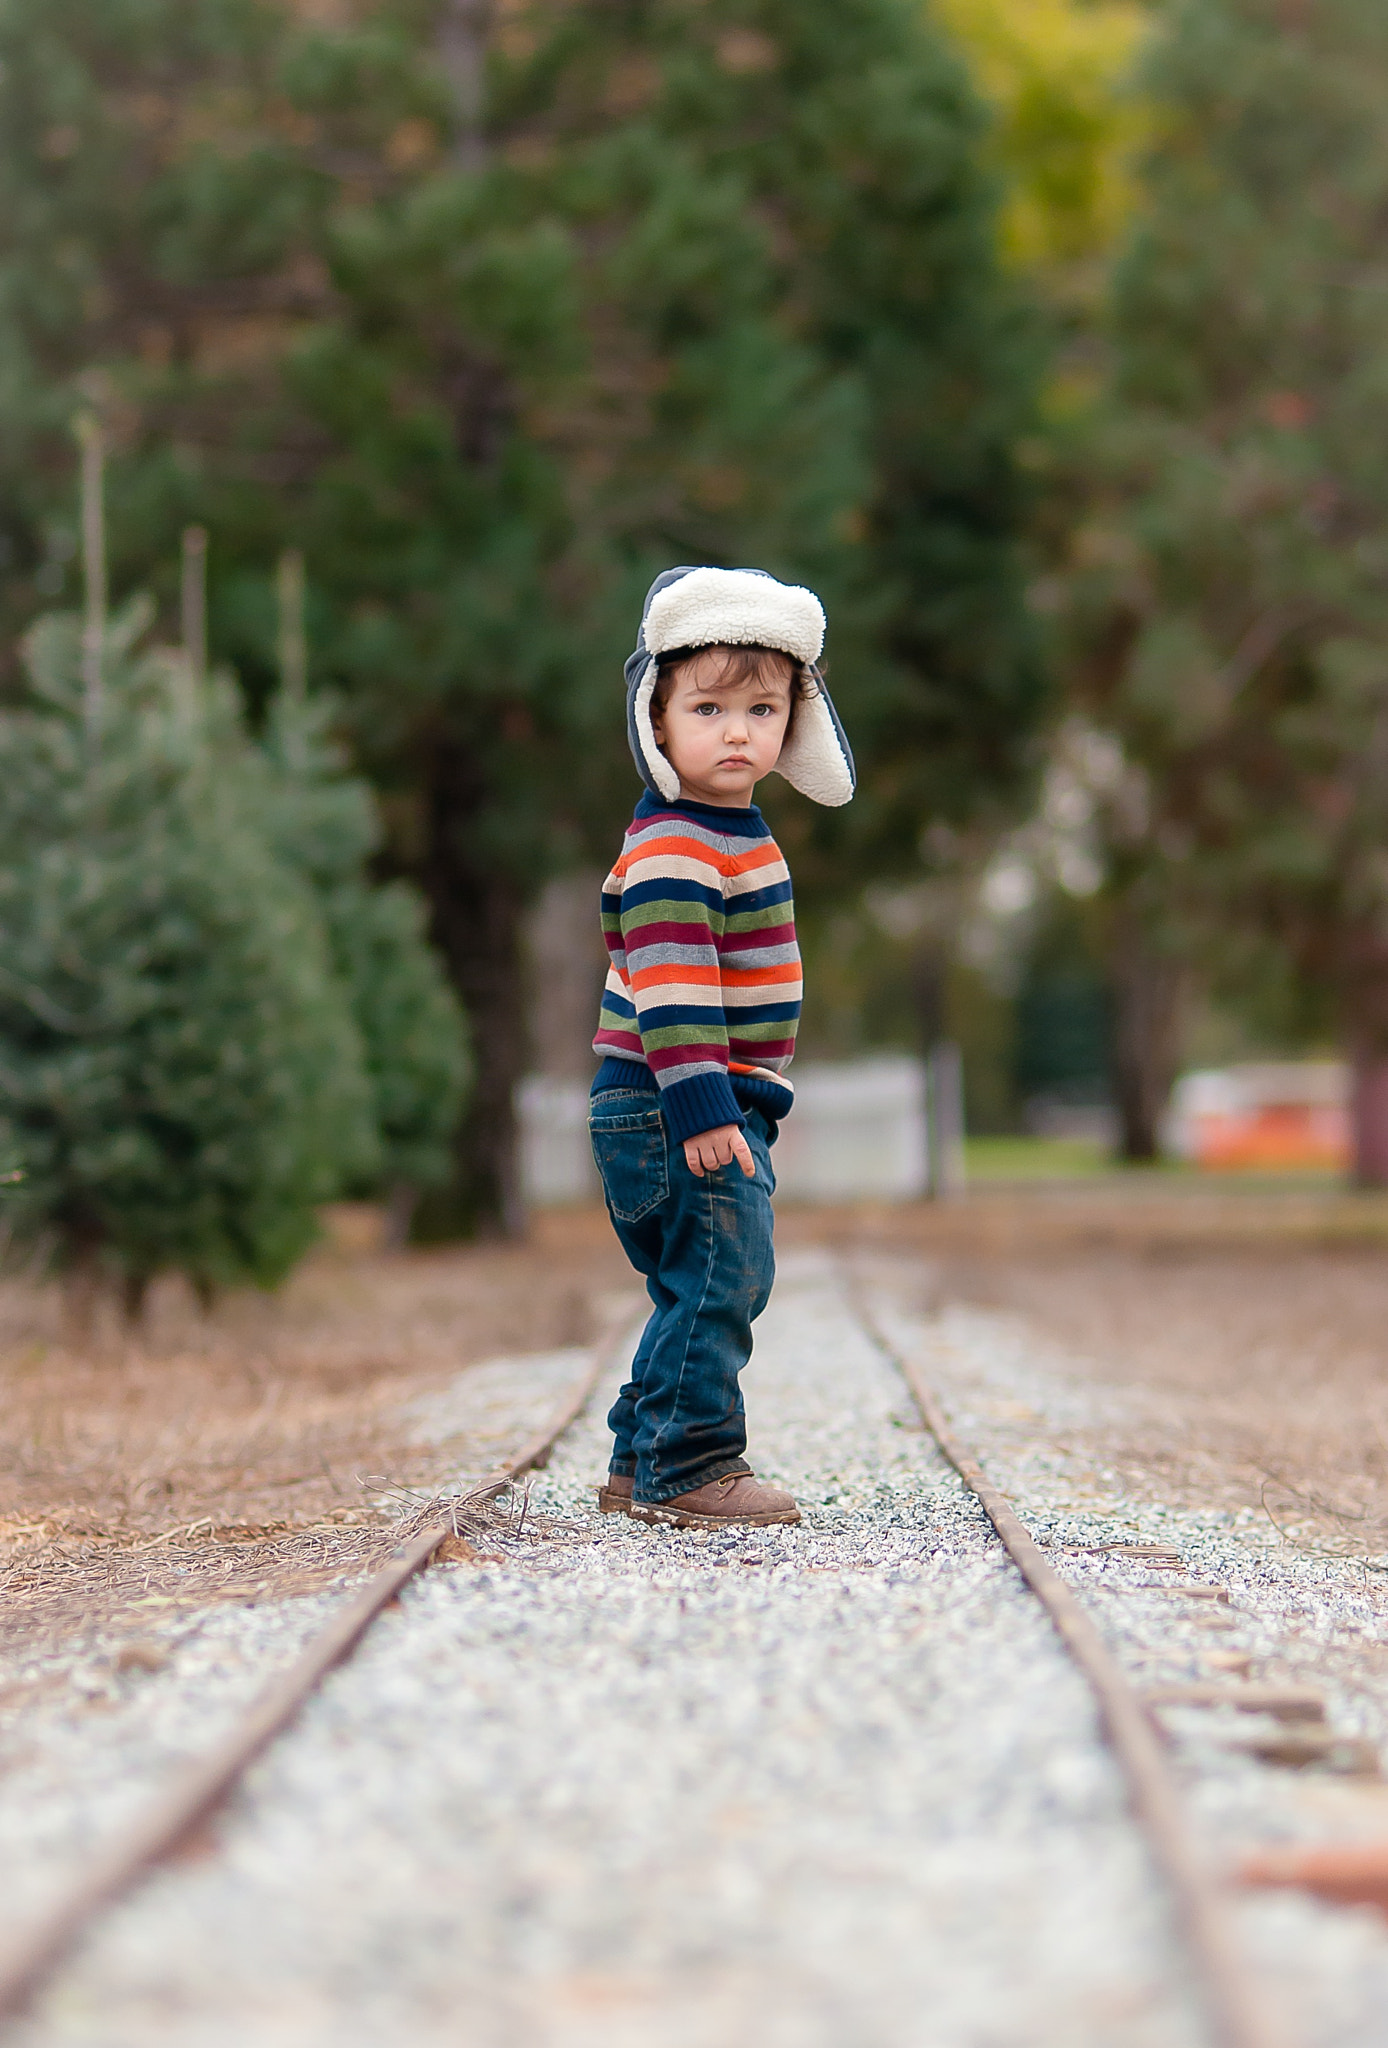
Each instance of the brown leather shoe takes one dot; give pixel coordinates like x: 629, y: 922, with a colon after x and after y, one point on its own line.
x: 614, y: 1495
x: 740, y: 1497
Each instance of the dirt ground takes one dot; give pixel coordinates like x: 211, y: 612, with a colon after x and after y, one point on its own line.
x: 1246, y: 1331
x: 262, y: 1448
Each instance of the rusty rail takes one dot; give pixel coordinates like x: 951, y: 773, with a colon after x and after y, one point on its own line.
x: 1236, y: 2010
x: 199, y: 1787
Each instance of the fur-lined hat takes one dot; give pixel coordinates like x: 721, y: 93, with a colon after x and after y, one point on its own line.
x: 740, y: 608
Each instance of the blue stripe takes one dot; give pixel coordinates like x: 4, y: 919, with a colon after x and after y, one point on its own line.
x: 757, y: 1013
x: 758, y: 899
x: 671, y: 891
x: 684, y: 1015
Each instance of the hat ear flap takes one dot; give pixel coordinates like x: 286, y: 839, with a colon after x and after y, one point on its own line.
x: 816, y: 758
x: 658, y: 767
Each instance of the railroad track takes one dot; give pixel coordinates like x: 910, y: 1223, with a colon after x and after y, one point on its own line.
x: 1237, y: 2018
x: 1238, y: 2013
x: 197, y: 1790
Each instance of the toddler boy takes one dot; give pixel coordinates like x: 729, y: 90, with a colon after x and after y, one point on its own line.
x: 699, y: 1017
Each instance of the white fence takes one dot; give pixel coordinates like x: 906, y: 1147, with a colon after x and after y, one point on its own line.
x: 556, y: 1158
x: 857, y: 1133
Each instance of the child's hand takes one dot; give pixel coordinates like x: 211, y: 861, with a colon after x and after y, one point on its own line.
x: 718, y: 1148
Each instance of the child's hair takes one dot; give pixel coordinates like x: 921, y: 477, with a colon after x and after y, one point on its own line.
x: 740, y: 665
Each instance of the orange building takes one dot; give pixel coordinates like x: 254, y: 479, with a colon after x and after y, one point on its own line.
x: 1263, y: 1116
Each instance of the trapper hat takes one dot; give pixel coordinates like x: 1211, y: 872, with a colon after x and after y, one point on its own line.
x: 740, y: 608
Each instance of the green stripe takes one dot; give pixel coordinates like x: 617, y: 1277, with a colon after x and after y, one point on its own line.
x: 672, y: 910
x: 754, y: 920
x: 612, y: 1020
x: 684, y: 1034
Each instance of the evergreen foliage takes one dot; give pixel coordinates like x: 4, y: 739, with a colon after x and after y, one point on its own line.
x: 180, y: 1076
x: 495, y: 313
x: 322, y: 822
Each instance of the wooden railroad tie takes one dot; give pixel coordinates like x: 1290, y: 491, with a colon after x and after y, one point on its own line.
x: 1344, y: 1873
x: 1283, y: 1702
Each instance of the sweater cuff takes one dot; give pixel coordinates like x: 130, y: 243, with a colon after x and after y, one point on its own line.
x: 701, y: 1103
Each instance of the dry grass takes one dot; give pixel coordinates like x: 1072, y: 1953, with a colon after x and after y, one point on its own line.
x: 1253, y: 1380
x: 254, y: 1450
x: 1245, y: 1331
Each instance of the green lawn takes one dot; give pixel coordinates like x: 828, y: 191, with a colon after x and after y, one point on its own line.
x: 1033, y: 1158
x: 1014, y: 1159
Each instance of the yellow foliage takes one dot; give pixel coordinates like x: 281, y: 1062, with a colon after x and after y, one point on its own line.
x: 1057, y: 72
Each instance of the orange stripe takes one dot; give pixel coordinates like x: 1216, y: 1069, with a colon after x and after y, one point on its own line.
x: 762, y: 856
x: 674, y: 972
x: 652, y: 977
x: 766, y: 855
x: 683, y: 849
x: 753, y: 977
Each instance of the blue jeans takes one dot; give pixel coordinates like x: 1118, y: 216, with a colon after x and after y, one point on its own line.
x: 704, y: 1247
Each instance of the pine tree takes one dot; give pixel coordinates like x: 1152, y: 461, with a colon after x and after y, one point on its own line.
x: 323, y: 822
x: 180, y: 1075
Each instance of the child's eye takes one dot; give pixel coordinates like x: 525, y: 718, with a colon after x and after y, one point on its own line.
x: 705, y: 710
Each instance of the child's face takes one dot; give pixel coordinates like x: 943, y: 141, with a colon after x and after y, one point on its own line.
x: 721, y: 738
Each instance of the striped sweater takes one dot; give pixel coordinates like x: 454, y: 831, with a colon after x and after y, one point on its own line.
x: 703, y: 986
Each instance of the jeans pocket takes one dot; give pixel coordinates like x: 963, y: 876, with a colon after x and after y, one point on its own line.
x: 630, y: 1152
x: 760, y: 1138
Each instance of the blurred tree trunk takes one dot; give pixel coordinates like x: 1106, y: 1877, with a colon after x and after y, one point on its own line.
x: 1148, y: 990
x: 463, y: 30
x: 1369, y: 1117
x: 478, y: 924
x: 929, y: 974
x: 566, y: 966
x: 1365, y: 1008
x: 478, y: 906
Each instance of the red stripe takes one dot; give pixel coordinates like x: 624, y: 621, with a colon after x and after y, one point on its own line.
x: 696, y: 933
x: 687, y: 1056
x: 769, y: 935
x: 629, y: 1040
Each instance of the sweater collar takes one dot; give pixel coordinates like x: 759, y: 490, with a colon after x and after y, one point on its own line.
x: 727, y: 817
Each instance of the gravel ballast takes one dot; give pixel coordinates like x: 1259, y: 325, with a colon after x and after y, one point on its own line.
x: 825, y: 1785
x: 1285, y: 1619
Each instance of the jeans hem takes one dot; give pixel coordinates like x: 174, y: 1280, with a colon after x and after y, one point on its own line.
x: 720, y: 1469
